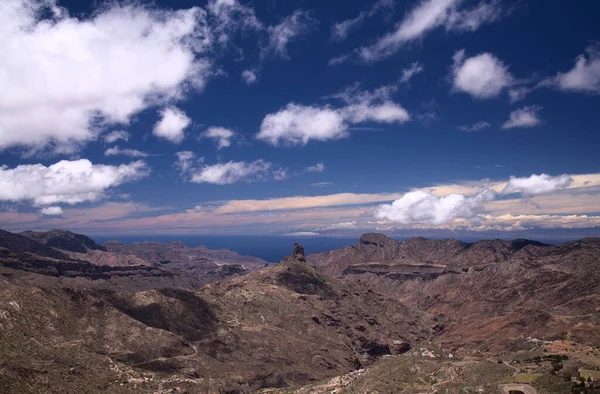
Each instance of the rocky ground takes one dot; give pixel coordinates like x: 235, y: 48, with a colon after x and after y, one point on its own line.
x: 377, y: 317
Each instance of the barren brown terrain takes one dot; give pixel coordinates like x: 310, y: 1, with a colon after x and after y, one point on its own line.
x: 379, y: 316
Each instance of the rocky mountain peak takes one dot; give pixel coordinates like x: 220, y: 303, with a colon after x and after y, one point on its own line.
x: 376, y: 239
x: 64, y: 240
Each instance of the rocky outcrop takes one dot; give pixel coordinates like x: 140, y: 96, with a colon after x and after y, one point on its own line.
x: 64, y: 240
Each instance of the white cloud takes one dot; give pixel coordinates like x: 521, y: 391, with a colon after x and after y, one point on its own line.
x: 583, y: 77
x: 341, y: 30
x: 114, y: 136
x: 297, y: 124
x: 220, y: 135
x: 51, y: 211
x: 336, y: 61
x: 472, y: 19
x: 116, y: 151
x: 483, y: 76
x: 523, y: 117
x: 475, y: 127
x: 304, y: 202
x: 319, y: 167
x: 298, y: 24
x: 538, y: 184
x: 69, y: 182
x: 423, y: 207
x: 231, y: 172
x: 185, y: 161
x: 172, y: 125
x: 64, y: 86
x: 194, y: 171
x: 429, y: 15
x: 250, y: 76
x: 321, y: 184
x: 229, y: 17
x: 411, y: 71
x: 518, y: 94
x: 303, y: 234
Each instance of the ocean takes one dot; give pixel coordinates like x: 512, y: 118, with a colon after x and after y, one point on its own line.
x: 268, y: 248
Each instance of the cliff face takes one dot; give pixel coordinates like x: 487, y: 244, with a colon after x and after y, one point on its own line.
x: 485, y: 292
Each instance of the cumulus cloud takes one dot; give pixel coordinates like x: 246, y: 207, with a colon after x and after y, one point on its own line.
x: 51, y: 211
x: 538, y: 184
x: 220, y: 135
x: 64, y: 86
x: 116, y: 151
x: 232, y: 172
x: 427, y: 16
x: 341, y: 30
x: 482, y: 76
x: 411, y: 71
x: 172, y: 125
x: 422, y: 207
x: 475, y: 127
x: 69, y: 182
x: 250, y: 77
x: 584, y: 77
x: 296, y: 25
x: 319, y: 167
x: 114, y: 136
x: 298, y: 124
x: 523, y: 117
x: 193, y: 170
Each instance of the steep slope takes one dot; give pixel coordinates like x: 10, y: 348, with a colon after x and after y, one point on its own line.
x: 285, y: 325
x: 83, y: 248
x: 488, y: 293
x: 21, y: 244
x: 64, y: 240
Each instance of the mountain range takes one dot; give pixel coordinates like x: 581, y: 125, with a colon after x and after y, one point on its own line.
x: 77, y: 316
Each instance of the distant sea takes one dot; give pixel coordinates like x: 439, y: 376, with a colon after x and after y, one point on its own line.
x: 268, y: 248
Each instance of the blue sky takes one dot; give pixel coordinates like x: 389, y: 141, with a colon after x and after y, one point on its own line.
x: 300, y: 117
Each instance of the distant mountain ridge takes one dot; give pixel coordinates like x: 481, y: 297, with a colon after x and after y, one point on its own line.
x: 486, y: 291
x: 64, y: 240
x: 63, y: 253
x: 374, y: 247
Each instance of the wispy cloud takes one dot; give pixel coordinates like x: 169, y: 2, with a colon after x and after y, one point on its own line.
x: 584, y: 77
x: 321, y: 184
x: 294, y: 26
x: 411, y: 71
x: 319, y: 167
x: 117, y: 151
x: 341, y: 30
x: 475, y: 127
x: 428, y: 15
